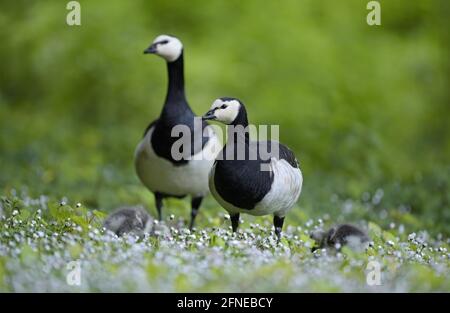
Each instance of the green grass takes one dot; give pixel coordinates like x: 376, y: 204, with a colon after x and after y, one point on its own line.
x: 41, y: 236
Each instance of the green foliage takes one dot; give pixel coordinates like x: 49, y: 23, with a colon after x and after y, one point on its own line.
x: 367, y: 104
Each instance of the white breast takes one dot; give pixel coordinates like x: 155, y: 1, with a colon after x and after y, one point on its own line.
x: 160, y: 175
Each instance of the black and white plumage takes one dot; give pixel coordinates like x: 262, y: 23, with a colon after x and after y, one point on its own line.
x: 340, y: 235
x: 156, y: 166
x: 241, y: 180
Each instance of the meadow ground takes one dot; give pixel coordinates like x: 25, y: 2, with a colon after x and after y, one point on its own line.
x: 40, y: 237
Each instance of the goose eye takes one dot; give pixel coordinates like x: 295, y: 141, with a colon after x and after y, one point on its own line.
x: 223, y: 106
x: 163, y: 42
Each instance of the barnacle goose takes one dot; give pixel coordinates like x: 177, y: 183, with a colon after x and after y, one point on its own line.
x: 156, y: 166
x: 340, y: 235
x: 244, y: 182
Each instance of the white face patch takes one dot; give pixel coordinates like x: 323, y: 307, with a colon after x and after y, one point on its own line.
x: 225, y: 111
x: 168, y: 47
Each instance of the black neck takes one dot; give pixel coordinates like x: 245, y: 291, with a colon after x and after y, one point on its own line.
x: 175, y: 90
x: 241, y: 131
x: 241, y: 118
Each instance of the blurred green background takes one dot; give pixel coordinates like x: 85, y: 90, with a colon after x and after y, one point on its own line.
x: 365, y: 108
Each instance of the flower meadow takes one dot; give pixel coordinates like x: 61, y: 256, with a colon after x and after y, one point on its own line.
x: 40, y: 238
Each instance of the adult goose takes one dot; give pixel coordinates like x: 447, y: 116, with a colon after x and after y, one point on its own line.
x: 242, y: 180
x: 164, y: 172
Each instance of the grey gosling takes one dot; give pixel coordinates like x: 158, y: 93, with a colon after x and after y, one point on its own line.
x: 339, y: 236
x: 129, y: 220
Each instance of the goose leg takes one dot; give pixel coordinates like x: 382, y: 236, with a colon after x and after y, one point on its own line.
x: 234, y: 221
x: 158, y: 202
x: 195, y: 205
x: 278, y: 224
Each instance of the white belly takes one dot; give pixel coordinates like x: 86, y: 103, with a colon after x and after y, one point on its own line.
x: 160, y: 175
x: 284, y: 192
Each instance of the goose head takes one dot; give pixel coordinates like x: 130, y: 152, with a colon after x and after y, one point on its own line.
x: 226, y: 110
x: 167, y: 47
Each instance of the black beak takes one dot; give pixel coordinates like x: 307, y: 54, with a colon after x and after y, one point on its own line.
x: 209, y: 115
x: 151, y: 49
